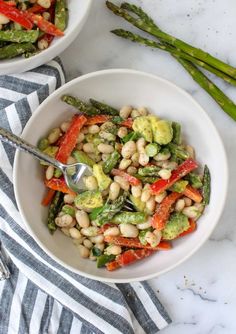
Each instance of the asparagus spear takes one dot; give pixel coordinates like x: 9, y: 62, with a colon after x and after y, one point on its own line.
x: 19, y: 36
x: 80, y: 105
x: 176, y: 133
x: 127, y: 217
x: 224, y: 102
x: 206, y: 189
x: 168, y: 48
x: 104, y: 108
x: 152, y: 29
x: 15, y: 49
x: 53, y: 211
x: 61, y: 14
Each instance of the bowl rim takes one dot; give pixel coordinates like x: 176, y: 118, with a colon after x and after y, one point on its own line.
x: 20, y: 64
x: 223, y: 189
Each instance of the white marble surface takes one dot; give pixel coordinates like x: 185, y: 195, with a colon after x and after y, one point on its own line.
x: 200, y: 295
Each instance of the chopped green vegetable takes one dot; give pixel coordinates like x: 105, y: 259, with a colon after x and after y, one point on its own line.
x: 117, y: 119
x: 96, y: 251
x: 111, y: 162
x: 104, y: 108
x: 179, y: 186
x: 82, y: 157
x: 176, y: 133
x: 131, y: 136
x: 194, y: 180
x: 177, y: 224
x: 54, y: 209
x: 103, y: 180
x: 69, y: 210
x: 152, y: 149
x: 142, y: 235
x: 89, y: 200
x: 127, y: 217
x: 146, y: 179
x: 149, y: 171
x: 43, y: 144
x: 178, y: 151
x: 51, y: 151
x: 103, y: 259
x: 142, y: 125
x: 57, y: 173
x: 206, y: 189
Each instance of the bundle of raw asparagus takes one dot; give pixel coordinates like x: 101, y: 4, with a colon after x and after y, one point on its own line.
x: 189, y: 57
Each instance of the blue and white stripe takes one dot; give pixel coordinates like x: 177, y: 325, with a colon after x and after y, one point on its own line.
x: 54, y: 299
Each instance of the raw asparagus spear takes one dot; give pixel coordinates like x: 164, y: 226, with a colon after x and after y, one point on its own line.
x: 80, y: 105
x: 19, y: 36
x: 61, y: 14
x: 104, y: 108
x: 168, y: 48
x: 53, y: 211
x: 206, y: 189
x: 152, y: 29
x: 15, y: 49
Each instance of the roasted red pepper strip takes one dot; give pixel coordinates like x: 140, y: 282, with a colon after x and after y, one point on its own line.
x: 59, y: 185
x: 191, y: 228
x: 162, y: 214
x: 127, y: 123
x: 69, y: 141
x: 44, y: 25
x: 128, y: 257
x: 186, y: 167
x: 193, y: 193
x: 10, y: 3
x: 129, y: 178
x: 15, y: 15
x: 36, y: 9
x: 97, y: 119
x: 135, y: 243
x: 48, y: 197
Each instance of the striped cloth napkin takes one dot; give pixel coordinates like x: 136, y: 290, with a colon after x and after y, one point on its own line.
x: 41, y: 296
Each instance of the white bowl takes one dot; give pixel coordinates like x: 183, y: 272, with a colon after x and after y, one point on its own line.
x: 118, y: 88
x: 78, y: 13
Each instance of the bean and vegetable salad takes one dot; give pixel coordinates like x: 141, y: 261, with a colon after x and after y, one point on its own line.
x: 28, y: 27
x: 144, y: 191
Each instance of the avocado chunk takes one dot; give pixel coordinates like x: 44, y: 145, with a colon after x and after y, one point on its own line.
x: 103, y: 180
x: 162, y: 131
x: 142, y: 125
x: 177, y: 224
x: 179, y: 186
x: 89, y: 200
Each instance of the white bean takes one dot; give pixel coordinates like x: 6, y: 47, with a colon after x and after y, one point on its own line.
x: 150, y: 204
x: 141, y: 142
x: 165, y: 174
x: 69, y: 199
x: 152, y: 239
x: 131, y: 170
x: 87, y: 243
x: 82, y: 218
x: 46, y: 16
x: 91, y: 183
x: 65, y: 126
x: 44, y: 3
x: 54, y: 135
x: 158, y: 234
x: 42, y: 44
x: 135, y: 113
x: 84, y: 251
x: 80, y: 137
x: 88, y: 148
x: 125, y: 111
x: 129, y: 230
x: 143, y: 159
x: 190, y: 151
x: 64, y: 221
x: 199, y: 207
x: 95, y: 157
x: 75, y: 233
x: 90, y: 231
x: 107, y: 136
x: 191, y: 212
x: 98, y: 239
x: 66, y: 231
x: 113, y: 250
x: 114, y: 191
x: 92, y: 257
x: 113, y: 231
x: 71, y: 160
x: 162, y: 156
x: 128, y: 149
x: 146, y: 194
x: 49, y: 172
x: 135, y: 159
x: 4, y: 19
x: 159, y: 198
x: 105, y: 156
x: 125, y: 163
x: 84, y: 130
x: 171, y: 165
x: 136, y: 191
x: 93, y: 129
x: 100, y: 246
x: 105, y: 148
x: 180, y: 204
x: 188, y: 201
x: 122, y: 182
x: 122, y: 132
x: 143, y: 226
x: 143, y: 111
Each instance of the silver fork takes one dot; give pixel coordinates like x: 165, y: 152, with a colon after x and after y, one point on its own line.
x: 4, y: 271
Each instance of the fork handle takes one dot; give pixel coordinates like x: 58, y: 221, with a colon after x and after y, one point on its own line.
x: 21, y: 144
